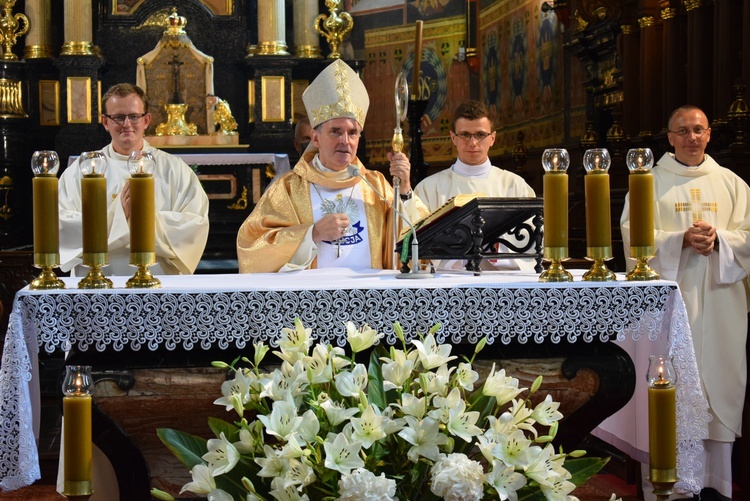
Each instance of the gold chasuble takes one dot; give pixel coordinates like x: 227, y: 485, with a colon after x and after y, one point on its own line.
x: 273, y: 232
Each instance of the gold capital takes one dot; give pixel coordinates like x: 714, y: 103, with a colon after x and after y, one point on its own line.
x: 627, y: 29
x: 646, y: 21
x: 668, y: 13
x: 692, y: 4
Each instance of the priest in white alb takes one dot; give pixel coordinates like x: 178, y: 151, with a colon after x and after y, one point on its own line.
x: 702, y: 241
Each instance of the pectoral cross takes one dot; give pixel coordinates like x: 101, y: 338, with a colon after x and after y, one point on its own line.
x: 696, y: 206
x: 175, y: 63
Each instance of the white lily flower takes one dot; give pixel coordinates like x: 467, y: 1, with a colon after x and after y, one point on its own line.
x: 396, y: 372
x: 466, y: 376
x: 540, y: 468
x: 443, y: 405
x: 505, y: 480
x: 503, y: 388
x: 283, y: 420
x: 437, y: 382
x: 247, y: 444
x: 515, y: 449
x: 341, y: 454
x: 463, y: 424
x: 361, y: 338
x: 300, y: 474
x: 292, y: 449
x: 557, y: 487
x: 235, y: 393
x: 425, y: 437
x: 219, y: 495
x: 318, y: 367
x: 546, y: 412
x: 281, y: 491
x: 431, y: 354
x: 349, y: 384
x: 309, y: 427
x: 412, y: 405
x: 500, y: 426
x: 203, y: 481
x: 337, y: 413
x: 368, y: 428
x: 271, y: 464
x: 222, y: 456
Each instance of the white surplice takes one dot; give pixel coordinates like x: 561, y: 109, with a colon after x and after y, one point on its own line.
x: 181, y: 216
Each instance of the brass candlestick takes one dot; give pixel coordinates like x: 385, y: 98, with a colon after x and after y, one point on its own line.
x: 334, y: 27
x: 95, y: 279
x: 9, y: 29
x: 599, y: 271
x: 555, y: 272
x: 642, y: 270
x: 596, y: 162
x: 143, y: 279
x: 555, y: 162
x: 44, y: 165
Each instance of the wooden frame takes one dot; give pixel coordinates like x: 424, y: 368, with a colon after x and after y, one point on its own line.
x: 79, y: 100
x: 272, y: 99
x: 49, y: 102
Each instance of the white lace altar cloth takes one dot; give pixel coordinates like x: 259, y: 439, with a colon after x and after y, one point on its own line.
x: 205, y: 311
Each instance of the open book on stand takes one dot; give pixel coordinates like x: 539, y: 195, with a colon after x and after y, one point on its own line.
x: 472, y: 227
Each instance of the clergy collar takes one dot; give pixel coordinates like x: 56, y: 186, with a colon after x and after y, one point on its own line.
x: 330, y: 174
x: 315, y: 172
x: 481, y: 171
x: 686, y: 165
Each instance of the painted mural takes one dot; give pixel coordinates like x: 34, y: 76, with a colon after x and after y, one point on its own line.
x: 520, y: 68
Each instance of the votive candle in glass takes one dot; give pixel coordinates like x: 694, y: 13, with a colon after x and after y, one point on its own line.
x: 596, y: 162
x: 641, y: 198
x: 555, y: 162
x: 142, y: 212
x: 44, y: 165
x: 77, y: 441
x: 93, y: 165
x: 662, y: 416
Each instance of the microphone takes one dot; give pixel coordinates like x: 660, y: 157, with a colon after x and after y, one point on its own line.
x: 354, y: 171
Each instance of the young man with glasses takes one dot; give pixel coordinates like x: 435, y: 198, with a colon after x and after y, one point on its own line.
x: 473, y: 135
x: 180, y: 201
x: 318, y: 215
x: 702, y: 241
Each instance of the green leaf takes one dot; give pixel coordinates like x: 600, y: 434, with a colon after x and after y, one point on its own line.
x: 219, y: 426
x: 583, y: 469
x: 375, y: 391
x: 186, y: 447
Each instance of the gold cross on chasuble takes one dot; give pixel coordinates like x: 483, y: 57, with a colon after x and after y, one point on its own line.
x: 696, y: 206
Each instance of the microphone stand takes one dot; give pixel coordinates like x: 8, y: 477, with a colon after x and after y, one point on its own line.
x: 414, y: 273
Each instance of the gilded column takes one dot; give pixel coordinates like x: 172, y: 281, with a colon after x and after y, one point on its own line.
x: 673, y: 58
x: 38, y: 39
x: 271, y: 28
x: 78, y: 29
x: 650, y: 81
x: 306, y: 42
x: 631, y: 91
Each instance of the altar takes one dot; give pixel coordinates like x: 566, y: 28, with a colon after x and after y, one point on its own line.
x: 196, y: 313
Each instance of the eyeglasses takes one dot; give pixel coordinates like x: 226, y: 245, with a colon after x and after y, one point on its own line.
x: 120, y: 119
x: 479, y: 136
x: 698, y: 131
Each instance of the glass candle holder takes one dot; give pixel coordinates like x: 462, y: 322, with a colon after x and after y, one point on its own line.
x: 44, y: 165
x: 142, y: 219
x: 77, y: 387
x: 641, y: 194
x: 662, y: 424
x: 93, y: 165
x: 555, y: 162
x: 596, y: 163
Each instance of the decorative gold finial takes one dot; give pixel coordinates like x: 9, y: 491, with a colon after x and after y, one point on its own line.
x: 334, y: 27
x: 9, y: 29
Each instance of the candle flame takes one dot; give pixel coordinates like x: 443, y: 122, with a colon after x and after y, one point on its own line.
x: 661, y: 373
x: 555, y: 160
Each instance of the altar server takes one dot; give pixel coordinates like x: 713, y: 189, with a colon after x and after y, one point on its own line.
x: 473, y: 135
x: 702, y: 241
x: 180, y: 201
x: 318, y: 215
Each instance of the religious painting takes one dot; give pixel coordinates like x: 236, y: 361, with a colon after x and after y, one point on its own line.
x: 216, y: 7
x: 441, y: 82
x: 272, y: 99
x: 49, y: 102
x: 79, y: 100
x: 411, y: 10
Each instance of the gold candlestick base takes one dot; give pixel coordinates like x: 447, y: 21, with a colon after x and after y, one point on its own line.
x: 80, y: 491
x: 599, y: 271
x: 47, y: 280
x: 663, y: 481
x: 555, y: 272
x: 95, y: 279
x: 642, y: 270
x: 143, y: 278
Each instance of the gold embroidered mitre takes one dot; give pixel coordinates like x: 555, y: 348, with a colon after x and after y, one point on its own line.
x: 337, y: 92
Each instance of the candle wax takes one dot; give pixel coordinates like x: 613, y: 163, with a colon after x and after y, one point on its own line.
x: 555, y: 209
x: 77, y: 438
x: 94, y: 213
x: 598, y: 217
x: 142, y: 214
x: 641, y: 185
x: 46, y: 215
x: 662, y: 427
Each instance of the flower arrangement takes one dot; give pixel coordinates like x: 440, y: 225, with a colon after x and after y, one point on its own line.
x: 410, y: 425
